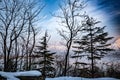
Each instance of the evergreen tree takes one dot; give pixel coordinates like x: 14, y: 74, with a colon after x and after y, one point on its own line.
x: 94, y: 42
x: 80, y: 67
x: 45, y: 58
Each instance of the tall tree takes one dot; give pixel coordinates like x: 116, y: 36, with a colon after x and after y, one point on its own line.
x: 80, y: 66
x: 46, y: 57
x: 69, y: 16
x: 95, y: 41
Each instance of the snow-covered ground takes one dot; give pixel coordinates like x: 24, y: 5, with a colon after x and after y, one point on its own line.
x: 79, y: 78
x: 13, y: 75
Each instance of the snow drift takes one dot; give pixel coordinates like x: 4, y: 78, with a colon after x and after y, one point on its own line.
x: 13, y: 75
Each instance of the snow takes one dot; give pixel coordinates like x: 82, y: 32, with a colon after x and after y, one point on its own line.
x: 8, y: 75
x: 28, y: 73
x: 80, y: 78
x: 13, y: 75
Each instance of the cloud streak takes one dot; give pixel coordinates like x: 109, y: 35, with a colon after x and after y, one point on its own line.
x: 112, y: 9
x: 94, y: 11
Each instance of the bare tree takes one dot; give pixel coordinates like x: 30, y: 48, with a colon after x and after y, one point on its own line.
x: 70, y: 20
x: 16, y: 17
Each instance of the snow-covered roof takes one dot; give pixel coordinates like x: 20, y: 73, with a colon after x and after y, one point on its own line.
x: 28, y: 73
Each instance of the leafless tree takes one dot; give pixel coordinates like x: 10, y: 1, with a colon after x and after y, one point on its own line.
x: 17, y: 18
x: 70, y: 20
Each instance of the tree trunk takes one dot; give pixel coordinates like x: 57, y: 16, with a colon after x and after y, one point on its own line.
x: 92, y: 53
x: 67, y: 57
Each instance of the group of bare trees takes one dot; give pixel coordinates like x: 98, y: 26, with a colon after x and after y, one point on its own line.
x: 17, y: 30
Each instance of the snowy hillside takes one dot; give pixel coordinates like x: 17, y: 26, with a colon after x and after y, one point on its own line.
x: 116, y: 44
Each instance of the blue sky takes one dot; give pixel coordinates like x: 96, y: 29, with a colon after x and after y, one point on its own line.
x: 110, y: 9
x: 50, y: 7
x: 106, y: 11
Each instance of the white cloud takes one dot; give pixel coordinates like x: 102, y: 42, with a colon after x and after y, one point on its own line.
x: 93, y: 11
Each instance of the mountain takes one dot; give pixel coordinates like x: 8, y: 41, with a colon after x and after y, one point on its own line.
x: 116, y: 44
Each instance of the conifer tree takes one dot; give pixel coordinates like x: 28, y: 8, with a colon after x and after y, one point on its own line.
x: 45, y: 56
x: 94, y: 42
x: 80, y: 67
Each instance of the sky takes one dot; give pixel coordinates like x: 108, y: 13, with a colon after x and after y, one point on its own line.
x: 106, y: 11
x: 110, y: 8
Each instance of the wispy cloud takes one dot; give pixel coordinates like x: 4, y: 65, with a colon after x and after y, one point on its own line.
x: 52, y: 24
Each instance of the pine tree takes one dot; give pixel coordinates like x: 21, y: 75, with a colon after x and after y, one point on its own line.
x: 45, y: 56
x: 94, y: 42
x: 80, y: 67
